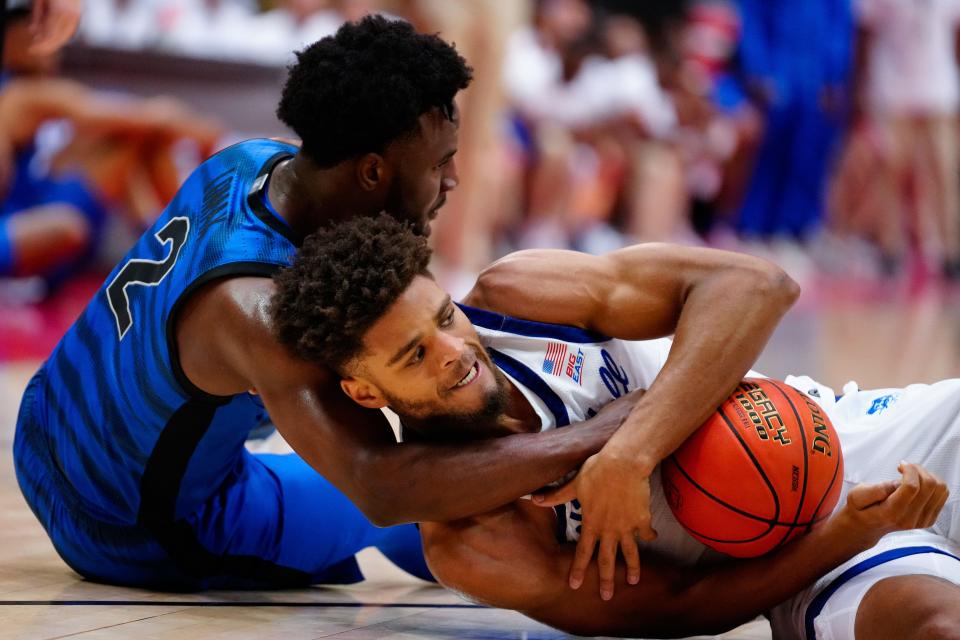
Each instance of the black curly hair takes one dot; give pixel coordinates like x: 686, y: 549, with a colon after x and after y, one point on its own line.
x: 342, y: 280
x: 360, y: 89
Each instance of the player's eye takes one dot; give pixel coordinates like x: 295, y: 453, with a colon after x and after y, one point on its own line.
x: 417, y: 356
x: 447, y: 319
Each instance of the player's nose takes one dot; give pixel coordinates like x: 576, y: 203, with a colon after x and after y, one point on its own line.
x: 451, y: 349
x: 451, y: 179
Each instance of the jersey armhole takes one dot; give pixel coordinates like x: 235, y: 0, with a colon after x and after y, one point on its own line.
x: 230, y: 270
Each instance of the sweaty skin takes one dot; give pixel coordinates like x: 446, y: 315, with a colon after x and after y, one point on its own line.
x: 424, y: 360
x: 224, y: 336
x: 511, y: 558
x: 721, y: 308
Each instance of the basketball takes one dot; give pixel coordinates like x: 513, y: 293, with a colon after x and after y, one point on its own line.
x: 763, y: 469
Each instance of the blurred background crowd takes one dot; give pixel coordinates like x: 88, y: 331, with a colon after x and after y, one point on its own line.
x: 821, y: 134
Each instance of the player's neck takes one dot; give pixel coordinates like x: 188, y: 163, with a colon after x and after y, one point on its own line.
x: 307, y: 196
x: 520, y: 416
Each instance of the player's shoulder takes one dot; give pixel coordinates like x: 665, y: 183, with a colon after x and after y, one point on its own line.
x: 241, y: 302
x: 229, y: 312
x: 499, y: 280
x: 249, y: 154
x: 225, y: 333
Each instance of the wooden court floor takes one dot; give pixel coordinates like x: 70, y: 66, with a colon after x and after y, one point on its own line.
x: 832, y: 335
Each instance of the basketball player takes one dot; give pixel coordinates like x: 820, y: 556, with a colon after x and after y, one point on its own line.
x: 456, y: 373
x: 130, y: 440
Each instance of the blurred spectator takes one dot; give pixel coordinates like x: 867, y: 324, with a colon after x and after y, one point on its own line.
x: 217, y: 29
x: 291, y: 26
x: 212, y: 29
x: 124, y: 24
x: 536, y: 86
x: 719, y: 145
x: 908, y: 94
x: 477, y: 209
x: 596, y: 126
x: 53, y: 22
x: 55, y: 189
x: 793, y: 66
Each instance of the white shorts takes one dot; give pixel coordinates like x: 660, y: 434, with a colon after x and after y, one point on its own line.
x: 828, y: 611
x: 878, y: 429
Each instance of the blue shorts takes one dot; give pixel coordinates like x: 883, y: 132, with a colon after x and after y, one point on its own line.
x: 276, y: 523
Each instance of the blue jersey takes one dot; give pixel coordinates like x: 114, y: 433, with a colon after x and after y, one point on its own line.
x: 137, y: 441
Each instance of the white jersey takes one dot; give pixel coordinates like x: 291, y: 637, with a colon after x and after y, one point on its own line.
x: 568, y: 375
x: 878, y: 429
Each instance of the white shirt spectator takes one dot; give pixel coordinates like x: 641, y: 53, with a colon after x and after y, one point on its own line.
x: 602, y: 88
x: 221, y: 29
x: 124, y: 25
x: 626, y: 85
x: 911, y: 64
x: 278, y: 35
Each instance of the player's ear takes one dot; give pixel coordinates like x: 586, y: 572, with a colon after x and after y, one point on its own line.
x: 363, y: 393
x: 372, y: 171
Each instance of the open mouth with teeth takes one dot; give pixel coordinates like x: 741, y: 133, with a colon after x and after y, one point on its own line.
x: 472, y: 375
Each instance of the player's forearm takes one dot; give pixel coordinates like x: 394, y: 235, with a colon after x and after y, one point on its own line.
x: 440, y: 483
x: 724, y: 323
x: 732, y: 595
x: 698, y: 602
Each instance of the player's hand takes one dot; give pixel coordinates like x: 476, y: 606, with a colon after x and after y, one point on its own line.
x: 52, y: 23
x: 874, y: 510
x: 615, y: 503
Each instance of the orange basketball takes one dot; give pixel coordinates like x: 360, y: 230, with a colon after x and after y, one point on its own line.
x: 762, y: 470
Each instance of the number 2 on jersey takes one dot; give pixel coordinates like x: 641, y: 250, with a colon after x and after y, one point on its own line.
x: 147, y: 273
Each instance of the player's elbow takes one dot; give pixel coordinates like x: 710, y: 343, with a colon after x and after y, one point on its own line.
x: 381, y: 510
x: 380, y: 515
x: 764, y: 280
x: 374, y: 491
x: 376, y: 509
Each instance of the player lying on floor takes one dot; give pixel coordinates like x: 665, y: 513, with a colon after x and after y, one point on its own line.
x: 406, y: 345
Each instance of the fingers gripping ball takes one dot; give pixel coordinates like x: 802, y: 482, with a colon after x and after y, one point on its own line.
x: 762, y: 470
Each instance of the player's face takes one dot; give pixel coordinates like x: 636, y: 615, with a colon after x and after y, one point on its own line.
x: 425, y: 169
x: 423, y: 358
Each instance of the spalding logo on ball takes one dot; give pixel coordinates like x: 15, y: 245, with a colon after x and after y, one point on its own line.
x: 763, y: 469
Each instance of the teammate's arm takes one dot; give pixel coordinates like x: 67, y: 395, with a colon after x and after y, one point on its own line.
x: 721, y: 308
x: 226, y: 346
x: 511, y: 559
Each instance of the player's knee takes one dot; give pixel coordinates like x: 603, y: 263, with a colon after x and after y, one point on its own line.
x: 73, y: 228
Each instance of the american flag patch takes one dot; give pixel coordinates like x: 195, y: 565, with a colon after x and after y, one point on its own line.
x: 555, y: 359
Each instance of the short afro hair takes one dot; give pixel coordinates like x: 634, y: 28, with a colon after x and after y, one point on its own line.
x: 360, y: 89
x: 343, y: 279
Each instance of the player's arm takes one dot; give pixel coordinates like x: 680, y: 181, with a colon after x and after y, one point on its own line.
x: 52, y: 23
x: 721, y: 308
x: 226, y: 346
x: 511, y: 559
x: 26, y: 103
